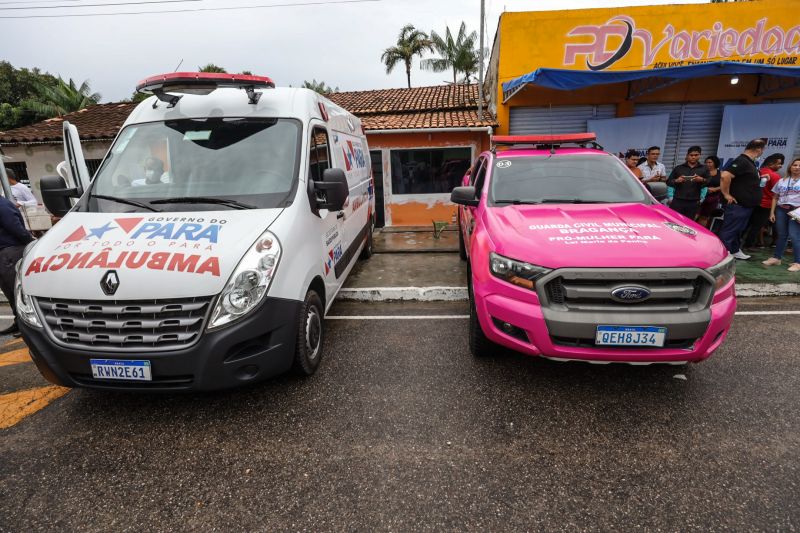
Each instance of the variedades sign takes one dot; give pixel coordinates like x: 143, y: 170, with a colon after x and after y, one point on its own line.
x: 633, y: 38
x: 777, y: 123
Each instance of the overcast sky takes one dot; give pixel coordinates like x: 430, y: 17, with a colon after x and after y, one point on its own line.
x: 338, y: 43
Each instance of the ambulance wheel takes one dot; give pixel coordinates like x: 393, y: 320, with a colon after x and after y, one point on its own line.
x: 479, y: 345
x: 366, y: 251
x: 462, y: 248
x: 310, y: 334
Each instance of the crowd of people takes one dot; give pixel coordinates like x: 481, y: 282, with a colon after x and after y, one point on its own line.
x: 753, y: 203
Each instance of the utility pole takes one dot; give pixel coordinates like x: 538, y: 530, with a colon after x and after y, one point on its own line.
x: 480, y: 69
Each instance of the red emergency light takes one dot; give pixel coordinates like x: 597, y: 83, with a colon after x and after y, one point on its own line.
x: 164, y: 86
x: 545, y: 140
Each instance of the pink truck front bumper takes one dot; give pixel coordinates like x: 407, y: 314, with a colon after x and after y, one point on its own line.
x: 513, y: 317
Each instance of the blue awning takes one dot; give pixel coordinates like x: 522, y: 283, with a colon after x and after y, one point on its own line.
x: 567, y: 80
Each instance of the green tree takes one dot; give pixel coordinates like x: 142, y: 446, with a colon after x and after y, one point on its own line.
x: 65, y: 97
x: 411, y: 42
x: 319, y: 86
x: 211, y: 67
x: 17, y: 87
x: 458, y: 54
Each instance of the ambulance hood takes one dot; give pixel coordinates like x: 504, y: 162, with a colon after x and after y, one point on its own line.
x: 602, y: 235
x: 155, y: 256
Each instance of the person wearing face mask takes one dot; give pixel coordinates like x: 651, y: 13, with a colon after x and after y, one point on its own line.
x: 153, y: 173
x: 786, y: 199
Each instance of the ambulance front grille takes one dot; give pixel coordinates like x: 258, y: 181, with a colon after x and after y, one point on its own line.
x: 125, y: 325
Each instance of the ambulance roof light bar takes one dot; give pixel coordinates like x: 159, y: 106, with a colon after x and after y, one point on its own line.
x: 165, y: 86
x: 544, y: 141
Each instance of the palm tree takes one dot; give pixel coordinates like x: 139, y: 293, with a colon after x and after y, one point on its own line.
x: 62, y: 98
x: 211, y: 67
x: 458, y: 54
x: 411, y: 42
x: 319, y: 86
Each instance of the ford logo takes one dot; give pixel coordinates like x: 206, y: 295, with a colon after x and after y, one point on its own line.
x: 630, y: 294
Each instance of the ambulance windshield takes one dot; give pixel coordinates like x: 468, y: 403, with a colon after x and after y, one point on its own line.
x: 174, y: 165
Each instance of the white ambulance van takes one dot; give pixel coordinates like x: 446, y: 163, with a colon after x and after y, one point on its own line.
x: 207, y: 248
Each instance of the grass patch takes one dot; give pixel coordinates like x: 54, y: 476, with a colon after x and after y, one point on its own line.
x: 752, y: 271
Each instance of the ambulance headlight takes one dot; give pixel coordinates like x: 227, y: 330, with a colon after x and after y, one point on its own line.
x: 25, y: 308
x: 249, y: 283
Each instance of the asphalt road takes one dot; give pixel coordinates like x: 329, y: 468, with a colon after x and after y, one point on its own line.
x: 403, y: 430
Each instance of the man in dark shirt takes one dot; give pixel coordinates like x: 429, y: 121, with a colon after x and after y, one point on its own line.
x: 740, y: 185
x: 688, y: 180
x: 13, y: 238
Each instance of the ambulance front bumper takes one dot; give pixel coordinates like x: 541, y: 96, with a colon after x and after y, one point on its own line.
x: 255, y: 348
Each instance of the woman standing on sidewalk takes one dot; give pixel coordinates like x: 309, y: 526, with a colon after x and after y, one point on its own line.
x: 786, y: 199
x: 713, y: 197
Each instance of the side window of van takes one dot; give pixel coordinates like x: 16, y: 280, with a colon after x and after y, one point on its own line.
x: 319, y: 158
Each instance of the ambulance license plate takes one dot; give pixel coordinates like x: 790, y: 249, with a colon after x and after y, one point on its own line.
x: 630, y: 336
x: 121, y: 369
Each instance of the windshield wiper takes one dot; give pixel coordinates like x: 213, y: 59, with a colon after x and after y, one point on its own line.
x: 125, y: 201
x: 204, y: 200
x: 518, y: 202
x: 573, y: 201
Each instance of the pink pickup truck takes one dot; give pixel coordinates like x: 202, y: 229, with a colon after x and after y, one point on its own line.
x: 572, y: 258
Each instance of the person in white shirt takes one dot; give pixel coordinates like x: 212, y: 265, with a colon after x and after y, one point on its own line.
x: 22, y: 194
x: 652, y: 169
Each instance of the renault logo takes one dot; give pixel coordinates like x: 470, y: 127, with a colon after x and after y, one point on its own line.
x: 633, y: 294
x: 110, y: 282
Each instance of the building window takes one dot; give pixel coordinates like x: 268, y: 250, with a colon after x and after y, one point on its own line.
x: 428, y: 171
x: 20, y: 171
x: 92, y: 165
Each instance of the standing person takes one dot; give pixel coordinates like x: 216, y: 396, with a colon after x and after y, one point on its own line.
x: 785, y: 199
x: 688, y: 179
x: 13, y: 238
x: 632, y: 162
x: 22, y: 194
x: 652, y: 169
x: 740, y: 185
x: 760, y: 216
x: 713, y: 195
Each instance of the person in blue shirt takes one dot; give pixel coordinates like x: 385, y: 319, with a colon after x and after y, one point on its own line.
x: 13, y: 238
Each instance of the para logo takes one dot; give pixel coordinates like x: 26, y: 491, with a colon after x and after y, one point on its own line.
x: 354, y: 156
x: 133, y: 228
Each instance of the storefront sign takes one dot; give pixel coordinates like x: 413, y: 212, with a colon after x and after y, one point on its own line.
x: 777, y: 123
x: 634, y: 38
x: 618, y: 135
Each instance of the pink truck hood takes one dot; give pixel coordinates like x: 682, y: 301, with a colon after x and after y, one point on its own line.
x: 604, y: 235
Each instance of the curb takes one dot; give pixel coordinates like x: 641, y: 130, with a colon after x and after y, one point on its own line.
x: 458, y: 294
x: 749, y: 290
x: 418, y: 294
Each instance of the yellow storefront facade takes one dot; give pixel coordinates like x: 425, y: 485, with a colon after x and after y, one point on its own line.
x: 625, y: 40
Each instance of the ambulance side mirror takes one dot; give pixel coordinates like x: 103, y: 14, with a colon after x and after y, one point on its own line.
x: 56, y: 195
x: 333, y: 190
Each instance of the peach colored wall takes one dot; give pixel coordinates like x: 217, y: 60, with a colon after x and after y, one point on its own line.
x: 413, y: 209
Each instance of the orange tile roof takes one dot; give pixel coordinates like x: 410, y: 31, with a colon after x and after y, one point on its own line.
x: 101, y: 121
x: 441, y: 106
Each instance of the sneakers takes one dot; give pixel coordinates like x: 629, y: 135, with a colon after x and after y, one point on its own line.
x: 772, y: 261
x: 741, y: 255
x: 794, y: 267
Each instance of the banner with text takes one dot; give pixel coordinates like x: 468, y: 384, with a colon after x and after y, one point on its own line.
x: 777, y: 123
x: 618, y: 135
